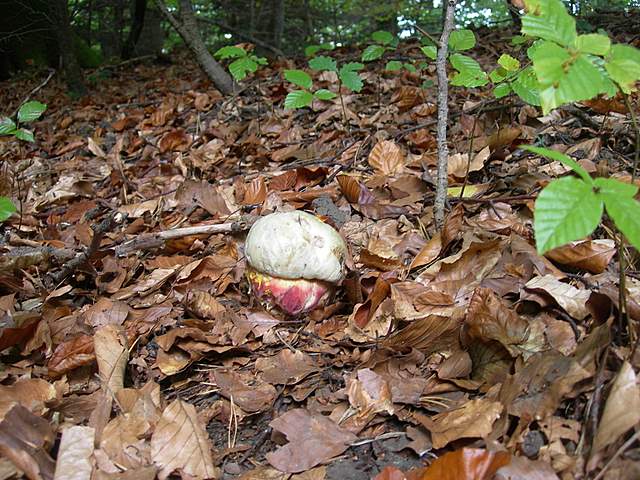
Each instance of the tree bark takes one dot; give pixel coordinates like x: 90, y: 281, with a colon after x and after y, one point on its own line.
x: 187, y: 28
x: 71, y: 67
x: 137, y: 23
x: 443, y: 114
x: 278, y: 22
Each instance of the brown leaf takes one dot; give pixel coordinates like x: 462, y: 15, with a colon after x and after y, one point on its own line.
x: 25, y: 439
x: 590, y: 255
x: 474, y: 419
x: 31, y: 393
x: 350, y: 188
x: 622, y: 410
x: 74, y: 454
x: 387, y: 158
x: 570, y: 298
x: 180, y: 442
x: 106, y: 312
x: 71, y: 354
x: 488, y: 318
x: 204, y: 305
x: 255, y: 193
x: 286, y: 368
x: 522, y: 468
x: 249, y: 393
x: 466, y: 464
x: 428, y: 253
x: 313, y: 439
x: 457, y: 165
x: 176, y: 140
x: 112, y: 353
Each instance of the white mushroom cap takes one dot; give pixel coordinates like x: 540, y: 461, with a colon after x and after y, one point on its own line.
x: 296, y: 245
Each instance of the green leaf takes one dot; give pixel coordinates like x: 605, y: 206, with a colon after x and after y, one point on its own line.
x: 382, y: 37
x: 526, y: 86
x: 298, y: 99
x: 462, y: 40
x: 616, y: 188
x: 351, y: 79
x: 502, y: 90
x: 548, y: 19
x: 241, y: 67
x: 324, y: 94
x: 30, y: 111
x: 497, y: 75
x: 372, y: 52
x: 430, y: 51
x: 393, y: 66
x: 518, y: 40
x: 6, y: 208
x: 229, y: 52
x: 509, y: 63
x: 299, y: 78
x: 562, y: 158
x: 7, y: 126
x: 409, y: 67
x: 351, y: 67
x: 623, y: 65
x: 566, y: 210
x: 311, y: 50
x: 593, y: 43
x: 470, y: 73
x: 323, y: 63
x: 625, y: 212
x: 563, y: 77
x: 24, y: 134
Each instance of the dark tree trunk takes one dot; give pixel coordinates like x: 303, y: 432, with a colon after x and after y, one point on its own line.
x: 187, y: 28
x: 140, y: 9
x: 278, y: 22
x: 73, y: 73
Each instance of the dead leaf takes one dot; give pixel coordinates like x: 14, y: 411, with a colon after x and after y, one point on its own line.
x: 71, y: 354
x: 570, y: 298
x: 387, y: 158
x: 522, y: 468
x: 286, y: 368
x: 591, y: 255
x: 110, y: 344
x: 466, y: 464
x: 180, y: 442
x: 622, y: 409
x: 31, y: 393
x: 74, y: 454
x: 457, y: 165
x: 313, y: 439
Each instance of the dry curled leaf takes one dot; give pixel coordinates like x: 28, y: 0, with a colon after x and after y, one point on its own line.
x: 111, y: 349
x: 74, y: 454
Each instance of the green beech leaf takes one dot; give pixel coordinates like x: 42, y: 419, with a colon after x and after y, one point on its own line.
x: 593, y: 43
x: 462, y: 40
x: 548, y: 19
x: 299, y: 78
x: 625, y: 212
x: 324, y: 94
x: 6, y: 208
x: 30, y: 111
x: 498, y: 75
x: 7, y: 126
x: 526, y: 86
x: 566, y: 210
x: 502, y: 90
x: 24, y: 134
x: 323, y: 63
x: 311, y: 50
x: 470, y: 73
x: 229, y: 52
x: 623, y: 65
x: 298, y: 99
x: 430, y: 51
x: 509, y: 63
x: 394, y: 66
x: 382, y: 37
x: 241, y: 67
x: 562, y: 158
x: 409, y: 67
x: 372, y: 52
x: 351, y: 79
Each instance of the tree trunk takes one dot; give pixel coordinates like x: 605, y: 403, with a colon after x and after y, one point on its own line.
x: 187, y: 28
x: 278, y: 22
x: 73, y: 73
x: 137, y: 23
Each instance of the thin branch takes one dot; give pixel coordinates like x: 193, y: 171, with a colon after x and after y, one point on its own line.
x: 443, y: 115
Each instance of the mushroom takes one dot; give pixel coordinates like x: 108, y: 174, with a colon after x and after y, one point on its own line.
x: 295, y: 261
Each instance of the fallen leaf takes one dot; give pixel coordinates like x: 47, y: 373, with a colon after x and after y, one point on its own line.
x: 74, y: 454
x: 387, y: 158
x: 591, y: 255
x: 71, y: 354
x: 313, y: 439
x: 110, y: 344
x: 180, y: 442
x: 287, y: 367
x: 622, y: 409
x: 466, y: 464
x: 570, y: 298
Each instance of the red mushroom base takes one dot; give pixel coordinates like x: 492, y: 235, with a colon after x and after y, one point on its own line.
x: 293, y: 297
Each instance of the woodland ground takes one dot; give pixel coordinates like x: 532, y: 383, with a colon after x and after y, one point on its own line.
x: 438, y: 340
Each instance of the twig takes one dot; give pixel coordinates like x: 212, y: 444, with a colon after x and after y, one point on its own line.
x: 514, y: 198
x: 443, y: 115
x: 52, y: 72
x: 634, y: 122
x: 157, y: 239
x: 620, y: 451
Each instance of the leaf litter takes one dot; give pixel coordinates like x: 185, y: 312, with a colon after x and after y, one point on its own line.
x: 129, y: 352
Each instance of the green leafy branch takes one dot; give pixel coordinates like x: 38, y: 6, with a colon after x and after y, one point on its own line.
x: 304, y: 98
x: 245, y: 62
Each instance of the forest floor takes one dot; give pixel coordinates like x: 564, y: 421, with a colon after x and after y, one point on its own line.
x: 138, y: 357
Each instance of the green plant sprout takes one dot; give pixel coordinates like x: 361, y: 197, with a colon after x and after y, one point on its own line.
x: 311, y: 50
x: 245, y: 62
x: 303, y: 98
x: 385, y: 42
x: 469, y: 73
x: 27, y: 113
x: 509, y: 77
